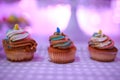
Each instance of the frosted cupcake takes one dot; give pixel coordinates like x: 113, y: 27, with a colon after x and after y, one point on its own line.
x: 61, y: 49
x: 102, y: 48
x: 18, y: 45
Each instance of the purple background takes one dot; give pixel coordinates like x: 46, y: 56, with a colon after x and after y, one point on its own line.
x: 79, y: 19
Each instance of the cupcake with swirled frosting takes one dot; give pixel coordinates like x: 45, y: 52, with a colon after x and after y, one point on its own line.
x: 102, y: 48
x: 18, y: 45
x: 61, y: 49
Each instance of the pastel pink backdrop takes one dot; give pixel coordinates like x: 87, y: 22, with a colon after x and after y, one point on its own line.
x: 78, y: 24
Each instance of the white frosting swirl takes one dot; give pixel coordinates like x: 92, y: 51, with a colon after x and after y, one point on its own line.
x: 15, y: 35
x: 101, y: 41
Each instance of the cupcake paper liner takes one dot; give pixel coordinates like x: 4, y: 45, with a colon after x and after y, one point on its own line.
x: 103, y: 55
x: 17, y: 54
x: 62, y: 56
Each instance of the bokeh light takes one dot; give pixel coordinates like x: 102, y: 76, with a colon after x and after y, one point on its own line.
x: 91, y: 20
x: 46, y: 19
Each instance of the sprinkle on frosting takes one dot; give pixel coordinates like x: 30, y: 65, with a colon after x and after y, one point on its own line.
x: 58, y: 30
x: 16, y: 27
x: 100, y: 32
x: 101, y: 41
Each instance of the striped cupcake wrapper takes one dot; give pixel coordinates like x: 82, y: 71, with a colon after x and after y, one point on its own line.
x: 61, y: 56
x: 104, y: 56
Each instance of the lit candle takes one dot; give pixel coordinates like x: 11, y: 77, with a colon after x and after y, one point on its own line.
x: 16, y: 27
x: 58, y: 30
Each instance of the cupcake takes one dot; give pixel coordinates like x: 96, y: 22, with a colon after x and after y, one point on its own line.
x: 101, y: 47
x: 61, y: 49
x: 12, y: 19
x: 18, y: 45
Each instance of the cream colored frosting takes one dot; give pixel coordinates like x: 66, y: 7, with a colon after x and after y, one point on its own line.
x: 101, y: 41
x: 15, y: 35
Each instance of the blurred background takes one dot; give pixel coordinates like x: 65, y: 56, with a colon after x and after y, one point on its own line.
x: 79, y: 19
